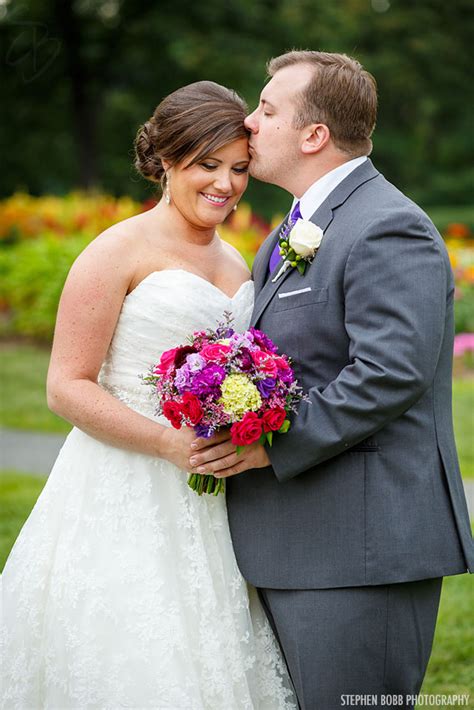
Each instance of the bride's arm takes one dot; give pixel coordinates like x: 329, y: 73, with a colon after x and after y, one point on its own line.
x: 88, y: 311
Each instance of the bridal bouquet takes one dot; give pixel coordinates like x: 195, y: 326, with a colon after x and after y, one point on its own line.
x: 222, y: 378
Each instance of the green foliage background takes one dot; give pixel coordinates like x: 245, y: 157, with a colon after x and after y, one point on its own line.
x: 79, y: 77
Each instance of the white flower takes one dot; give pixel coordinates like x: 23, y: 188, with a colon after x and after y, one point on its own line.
x: 305, y: 238
x: 303, y: 242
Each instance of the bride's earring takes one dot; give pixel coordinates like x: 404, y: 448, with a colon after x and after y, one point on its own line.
x: 234, y: 208
x: 167, y: 190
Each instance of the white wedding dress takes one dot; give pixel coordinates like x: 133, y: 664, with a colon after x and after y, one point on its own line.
x: 122, y: 589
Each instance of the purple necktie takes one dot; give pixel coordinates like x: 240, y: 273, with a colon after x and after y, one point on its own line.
x: 275, y: 257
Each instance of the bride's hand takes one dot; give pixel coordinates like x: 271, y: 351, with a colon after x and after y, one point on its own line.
x: 177, y: 447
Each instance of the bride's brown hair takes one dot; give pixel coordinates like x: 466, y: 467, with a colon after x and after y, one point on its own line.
x: 193, y: 121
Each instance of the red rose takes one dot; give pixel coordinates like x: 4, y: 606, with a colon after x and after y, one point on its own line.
x: 172, y: 411
x: 265, y: 362
x: 216, y: 352
x: 191, y: 408
x: 247, y: 431
x: 273, y: 419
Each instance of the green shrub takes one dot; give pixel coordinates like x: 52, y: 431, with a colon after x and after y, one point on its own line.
x: 444, y: 216
x: 33, y: 269
x: 33, y: 274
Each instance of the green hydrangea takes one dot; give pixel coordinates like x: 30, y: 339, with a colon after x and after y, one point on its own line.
x: 239, y: 395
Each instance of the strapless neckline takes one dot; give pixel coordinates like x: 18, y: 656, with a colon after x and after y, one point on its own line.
x: 154, y: 274
x: 161, y: 312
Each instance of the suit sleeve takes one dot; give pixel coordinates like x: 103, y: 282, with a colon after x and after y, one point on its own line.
x: 395, y: 292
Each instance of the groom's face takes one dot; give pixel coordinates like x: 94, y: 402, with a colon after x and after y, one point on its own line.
x: 275, y: 145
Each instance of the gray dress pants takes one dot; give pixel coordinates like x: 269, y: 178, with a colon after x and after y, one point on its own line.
x: 373, y: 641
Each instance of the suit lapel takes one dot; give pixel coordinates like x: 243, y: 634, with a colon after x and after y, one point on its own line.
x: 260, y: 265
x: 322, y: 217
x: 265, y: 289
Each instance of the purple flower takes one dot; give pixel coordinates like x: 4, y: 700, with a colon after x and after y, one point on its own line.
x: 204, y: 430
x: 263, y: 340
x: 207, y: 381
x: 286, y: 376
x: 241, y: 340
x: 186, y: 373
x: 182, y: 378
x: 195, y: 362
x: 224, y: 331
x: 266, y: 386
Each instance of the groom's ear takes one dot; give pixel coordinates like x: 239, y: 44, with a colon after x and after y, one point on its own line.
x: 315, y: 137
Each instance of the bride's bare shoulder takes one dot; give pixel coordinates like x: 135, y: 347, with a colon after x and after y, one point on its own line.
x: 113, y: 255
x: 128, y: 230
x: 236, y: 259
x: 122, y: 239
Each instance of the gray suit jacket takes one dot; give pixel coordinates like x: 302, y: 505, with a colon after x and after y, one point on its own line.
x: 365, y: 488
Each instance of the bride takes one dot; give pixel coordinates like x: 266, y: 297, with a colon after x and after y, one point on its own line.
x: 122, y: 589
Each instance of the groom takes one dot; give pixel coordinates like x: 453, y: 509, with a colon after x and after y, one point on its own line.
x: 348, y: 523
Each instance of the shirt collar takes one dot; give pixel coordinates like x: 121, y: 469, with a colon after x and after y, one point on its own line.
x: 322, y: 188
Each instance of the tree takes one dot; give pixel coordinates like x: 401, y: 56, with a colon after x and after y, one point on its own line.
x: 80, y: 76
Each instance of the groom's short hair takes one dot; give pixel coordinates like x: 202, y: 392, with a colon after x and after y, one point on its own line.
x: 341, y: 94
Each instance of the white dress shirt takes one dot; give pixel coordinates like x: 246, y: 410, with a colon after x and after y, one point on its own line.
x: 319, y: 190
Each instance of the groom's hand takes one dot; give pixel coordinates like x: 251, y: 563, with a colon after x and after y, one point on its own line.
x: 218, y: 456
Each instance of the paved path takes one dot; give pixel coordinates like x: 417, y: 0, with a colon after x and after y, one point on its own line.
x: 29, y: 452
x: 33, y: 452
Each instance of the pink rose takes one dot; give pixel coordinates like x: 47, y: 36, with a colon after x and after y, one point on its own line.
x: 216, y: 352
x: 265, y: 362
x: 166, y: 363
x: 172, y: 359
x: 281, y: 363
x: 246, y: 431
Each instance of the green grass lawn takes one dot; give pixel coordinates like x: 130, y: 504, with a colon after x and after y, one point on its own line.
x: 23, y: 400
x: 18, y: 494
x: 23, y: 390
x: 450, y: 668
x: 463, y: 413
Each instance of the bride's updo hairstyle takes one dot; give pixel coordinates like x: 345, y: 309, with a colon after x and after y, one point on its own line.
x: 192, y: 122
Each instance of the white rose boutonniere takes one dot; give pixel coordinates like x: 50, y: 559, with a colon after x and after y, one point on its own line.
x: 300, y: 246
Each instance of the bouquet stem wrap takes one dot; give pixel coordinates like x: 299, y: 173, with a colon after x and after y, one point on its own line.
x: 206, y: 483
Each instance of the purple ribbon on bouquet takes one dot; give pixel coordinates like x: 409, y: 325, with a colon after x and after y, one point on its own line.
x: 275, y: 256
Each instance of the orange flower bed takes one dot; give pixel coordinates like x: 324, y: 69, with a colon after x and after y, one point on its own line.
x: 36, y: 230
